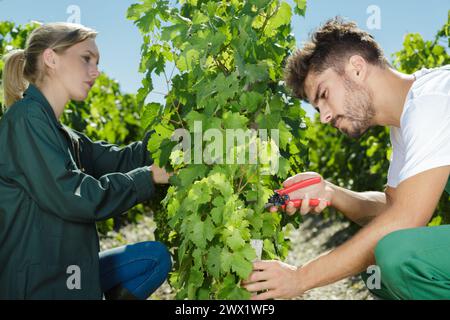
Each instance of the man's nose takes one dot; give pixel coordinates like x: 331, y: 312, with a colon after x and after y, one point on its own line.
x: 325, y: 116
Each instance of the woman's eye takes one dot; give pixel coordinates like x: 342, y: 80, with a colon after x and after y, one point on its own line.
x: 86, y: 58
x: 324, y: 94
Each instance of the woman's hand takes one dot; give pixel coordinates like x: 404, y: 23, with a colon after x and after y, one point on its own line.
x: 321, y: 191
x: 160, y: 175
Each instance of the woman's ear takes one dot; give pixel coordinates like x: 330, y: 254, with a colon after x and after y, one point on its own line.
x: 49, y: 58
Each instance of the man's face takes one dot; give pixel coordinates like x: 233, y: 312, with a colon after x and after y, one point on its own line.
x: 341, y: 101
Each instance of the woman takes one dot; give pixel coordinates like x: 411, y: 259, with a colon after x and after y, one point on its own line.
x: 55, y: 183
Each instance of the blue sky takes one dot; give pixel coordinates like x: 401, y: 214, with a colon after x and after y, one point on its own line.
x: 119, y: 40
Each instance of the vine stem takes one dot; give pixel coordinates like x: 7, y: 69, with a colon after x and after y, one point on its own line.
x: 268, y: 17
x: 179, y: 117
x: 167, y: 81
x: 160, y: 93
x: 221, y: 66
x: 173, y: 105
x: 246, y: 183
x: 170, y: 120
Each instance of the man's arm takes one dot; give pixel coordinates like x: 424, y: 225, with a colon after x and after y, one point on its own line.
x: 361, y: 207
x: 413, y: 205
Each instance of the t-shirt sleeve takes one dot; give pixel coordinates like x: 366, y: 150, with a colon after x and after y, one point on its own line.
x: 425, y: 134
x: 396, y: 159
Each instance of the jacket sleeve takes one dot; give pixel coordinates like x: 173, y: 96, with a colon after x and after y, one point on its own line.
x: 51, y: 178
x: 107, y: 158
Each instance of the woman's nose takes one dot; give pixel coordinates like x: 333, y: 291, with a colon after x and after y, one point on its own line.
x: 95, y: 73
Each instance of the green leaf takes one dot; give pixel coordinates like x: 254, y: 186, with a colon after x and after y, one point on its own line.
x: 268, y: 229
x: 204, y: 294
x: 221, y: 182
x: 150, y: 114
x: 194, y: 116
x: 174, y: 31
x: 225, y: 258
x: 216, y: 214
x: 233, y: 120
x: 197, y: 230
x: 282, y: 17
x: 162, y: 132
x: 226, y: 87
x: 216, y: 42
x: 199, y: 18
x: 283, y: 168
x: 242, y: 267
x: 192, y: 172
x: 187, y: 60
x: 199, y: 193
x: 195, y: 281
x: 300, y: 7
x: 285, y: 135
x: 260, y: 4
x: 227, y: 287
x: 238, y: 293
x: 248, y: 253
x: 268, y: 121
x: 242, y: 261
x: 255, y: 72
x: 213, y: 262
x: 251, y: 101
x: 234, y: 238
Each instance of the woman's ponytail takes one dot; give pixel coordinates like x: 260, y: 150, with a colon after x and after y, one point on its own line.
x: 14, y: 82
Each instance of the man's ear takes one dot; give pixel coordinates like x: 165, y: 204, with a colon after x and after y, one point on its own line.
x: 50, y: 58
x: 357, y: 68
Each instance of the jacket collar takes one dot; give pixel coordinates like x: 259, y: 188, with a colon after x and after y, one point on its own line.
x: 34, y: 93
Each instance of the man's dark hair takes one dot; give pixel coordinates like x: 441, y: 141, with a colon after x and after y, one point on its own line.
x: 330, y: 46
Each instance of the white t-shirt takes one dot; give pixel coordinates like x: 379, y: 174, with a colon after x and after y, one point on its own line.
x: 423, y: 140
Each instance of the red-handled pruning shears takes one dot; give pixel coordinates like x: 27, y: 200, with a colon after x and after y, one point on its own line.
x: 281, y: 196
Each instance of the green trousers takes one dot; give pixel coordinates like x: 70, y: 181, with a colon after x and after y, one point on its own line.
x: 413, y: 264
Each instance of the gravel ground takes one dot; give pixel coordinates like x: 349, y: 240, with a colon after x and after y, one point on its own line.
x: 315, y: 236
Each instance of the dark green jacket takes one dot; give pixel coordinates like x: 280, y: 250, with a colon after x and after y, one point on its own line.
x: 55, y: 183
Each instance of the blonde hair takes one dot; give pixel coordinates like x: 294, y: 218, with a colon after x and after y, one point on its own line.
x: 25, y: 66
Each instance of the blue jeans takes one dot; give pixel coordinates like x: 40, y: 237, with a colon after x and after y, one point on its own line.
x: 141, y: 267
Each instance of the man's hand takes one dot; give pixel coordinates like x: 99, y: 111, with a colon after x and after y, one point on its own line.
x: 160, y: 175
x: 275, y: 278
x: 318, y: 191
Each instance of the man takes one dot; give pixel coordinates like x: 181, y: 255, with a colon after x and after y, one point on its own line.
x: 342, y: 72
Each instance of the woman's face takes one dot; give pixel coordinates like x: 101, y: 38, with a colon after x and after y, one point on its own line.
x: 77, y: 69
